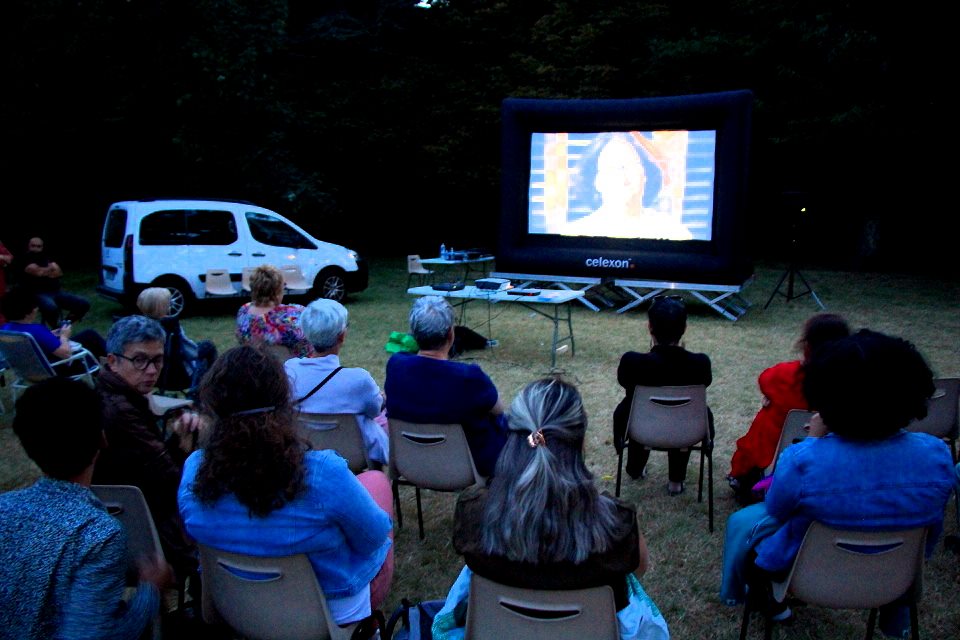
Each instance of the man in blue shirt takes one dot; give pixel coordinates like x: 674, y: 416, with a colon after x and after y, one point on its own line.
x: 63, y: 561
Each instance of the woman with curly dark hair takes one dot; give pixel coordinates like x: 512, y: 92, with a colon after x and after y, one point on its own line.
x: 256, y: 488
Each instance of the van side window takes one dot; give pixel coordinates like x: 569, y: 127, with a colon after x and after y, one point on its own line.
x: 211, y: 227
x: 275, y: 232
x: 164, y: 228
x: 114, y: 228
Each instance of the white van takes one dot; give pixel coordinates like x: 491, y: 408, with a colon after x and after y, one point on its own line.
x: 173, y: 243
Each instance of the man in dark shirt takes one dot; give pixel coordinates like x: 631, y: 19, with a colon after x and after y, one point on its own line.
x: 38, y: 273
x: 666, y: 364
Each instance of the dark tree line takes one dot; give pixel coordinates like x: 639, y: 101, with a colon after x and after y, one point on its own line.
x: 376, y: 124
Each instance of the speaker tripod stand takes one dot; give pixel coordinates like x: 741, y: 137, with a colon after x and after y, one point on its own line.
x: 789, y: 276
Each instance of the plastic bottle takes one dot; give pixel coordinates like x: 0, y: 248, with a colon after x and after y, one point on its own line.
x: 443, y: 251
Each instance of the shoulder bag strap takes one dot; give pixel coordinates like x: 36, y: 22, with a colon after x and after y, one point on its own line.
x: 317, y: 388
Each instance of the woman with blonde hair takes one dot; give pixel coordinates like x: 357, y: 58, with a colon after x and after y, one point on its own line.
x: 185, y: 361
x: 265, y: 320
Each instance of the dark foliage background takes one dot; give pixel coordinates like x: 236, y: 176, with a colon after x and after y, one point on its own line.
x: 376, y: 124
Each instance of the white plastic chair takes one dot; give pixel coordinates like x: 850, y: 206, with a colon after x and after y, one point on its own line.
x: 337, y: 431
x: 266, y: 598
x: 415, y: 269
x: 496, y: 611
x: 217, y: 283
x: 429, y: 456
x: 843, y: 569
x: 672, y: 417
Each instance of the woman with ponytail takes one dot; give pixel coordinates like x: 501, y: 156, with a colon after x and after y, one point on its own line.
x: 542, y: 523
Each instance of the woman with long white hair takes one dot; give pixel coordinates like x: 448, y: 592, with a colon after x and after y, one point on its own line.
x: 542, y: 523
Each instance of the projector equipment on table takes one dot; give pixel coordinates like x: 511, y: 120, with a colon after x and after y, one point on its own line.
x: 492, y: 284
x: 792, y: 270
x: 447, y: 286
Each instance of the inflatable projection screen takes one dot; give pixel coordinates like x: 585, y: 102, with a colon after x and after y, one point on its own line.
x: 646, y: 188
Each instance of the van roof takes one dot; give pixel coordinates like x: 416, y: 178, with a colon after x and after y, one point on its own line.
x: 187, y: 199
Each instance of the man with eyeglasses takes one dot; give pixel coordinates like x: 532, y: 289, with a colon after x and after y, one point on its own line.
x: 139, y: 450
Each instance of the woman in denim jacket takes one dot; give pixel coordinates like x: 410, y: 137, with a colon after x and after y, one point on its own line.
x: 255, y: 488
x: 864, y: 471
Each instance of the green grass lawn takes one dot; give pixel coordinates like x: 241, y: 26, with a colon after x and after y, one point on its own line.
x: 684, y: 577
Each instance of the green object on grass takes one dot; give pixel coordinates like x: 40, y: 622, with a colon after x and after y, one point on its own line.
x: 401, y: 342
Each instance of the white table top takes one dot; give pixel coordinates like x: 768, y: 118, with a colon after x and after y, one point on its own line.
x: 543, y: 296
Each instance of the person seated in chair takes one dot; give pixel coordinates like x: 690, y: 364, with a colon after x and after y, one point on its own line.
x: 63, y: 561
x: 38, y: 272
x: 185, y: 361
x: 860, y: 468
x: 266, y: 319
x: 22, y: 310
x: 428, y: 387
x: 668, y: 363
x: 254, y: 488
x: 782, y: 389
x: 543, y: 524
x: 139, y: 450
x: 350, y: 390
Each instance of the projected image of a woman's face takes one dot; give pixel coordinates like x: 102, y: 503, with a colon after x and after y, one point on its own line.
x: 620, y: 177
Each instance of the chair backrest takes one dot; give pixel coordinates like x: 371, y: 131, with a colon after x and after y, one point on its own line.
x: 127, y: 504
x: 496, y: 611
x: 943, y: 410
x: 844, y: 569
x: 337, y: 431
x: 432, y: 456
x: 266, y: 598
x: 415, y: 266
x: 25, y: 357
x: 217, y: 283
x: 293, y: 277
x: 669, y: 417
x: 796, y: 427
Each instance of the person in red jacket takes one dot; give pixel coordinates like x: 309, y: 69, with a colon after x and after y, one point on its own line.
x: 782, y: 389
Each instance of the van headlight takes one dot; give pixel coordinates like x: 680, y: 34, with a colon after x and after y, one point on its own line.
x: 353, y: 254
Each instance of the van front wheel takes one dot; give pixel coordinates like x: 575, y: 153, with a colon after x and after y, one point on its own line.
x: 181, y: 296
x: 330, y: 283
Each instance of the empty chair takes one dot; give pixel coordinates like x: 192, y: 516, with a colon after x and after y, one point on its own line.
x: 942, y: 413
x: 796, y: 427
x: 663, y: 418
x: 842, y: 569
x: 293, y: 278
x: 217, y: 283
x: 497, y: 611
x: 429, y: 456
x: 415, y: 269
x: 337, y: 431
x: 127, y: 504
x: 31, y: 365
x: 266, y: 598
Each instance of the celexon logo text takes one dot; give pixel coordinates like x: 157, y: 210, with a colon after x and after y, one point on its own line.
x: 609, y: 263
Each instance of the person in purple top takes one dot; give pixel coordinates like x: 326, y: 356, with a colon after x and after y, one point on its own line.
x: 428, y: 387
x: 22, y: 310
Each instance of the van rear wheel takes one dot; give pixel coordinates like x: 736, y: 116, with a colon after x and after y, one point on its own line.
x: 330, y: 283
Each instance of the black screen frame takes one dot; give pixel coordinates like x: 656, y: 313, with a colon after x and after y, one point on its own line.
x: 721, y: 260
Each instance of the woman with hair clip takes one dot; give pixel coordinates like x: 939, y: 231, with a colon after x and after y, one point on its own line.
x: 542, y: 523
x: 255, y: 488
